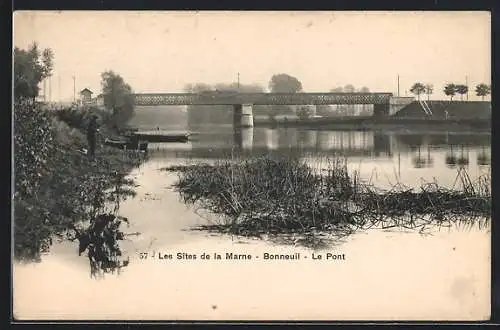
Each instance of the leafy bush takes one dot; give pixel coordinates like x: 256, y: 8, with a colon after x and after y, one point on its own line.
x: 33, y: 146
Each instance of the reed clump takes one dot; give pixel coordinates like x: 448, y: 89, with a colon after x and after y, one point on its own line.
x: 282, y: 195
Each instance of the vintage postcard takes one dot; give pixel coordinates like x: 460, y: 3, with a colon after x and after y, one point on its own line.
x: 206, y: 165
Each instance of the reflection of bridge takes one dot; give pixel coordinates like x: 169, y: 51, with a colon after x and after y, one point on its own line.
x: 367, y: 144
x: 243, y: 102
x: 290, y: 141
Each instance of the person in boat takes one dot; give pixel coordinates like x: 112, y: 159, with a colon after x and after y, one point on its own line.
x: 92, y: 130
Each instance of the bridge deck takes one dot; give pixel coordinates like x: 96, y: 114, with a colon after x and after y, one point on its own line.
x: 221, y: 98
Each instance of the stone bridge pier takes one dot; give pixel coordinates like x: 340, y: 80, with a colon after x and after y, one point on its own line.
x: 381, y: 110
x: 243, y: 115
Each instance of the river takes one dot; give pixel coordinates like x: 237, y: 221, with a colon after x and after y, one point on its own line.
x: 384, y: 274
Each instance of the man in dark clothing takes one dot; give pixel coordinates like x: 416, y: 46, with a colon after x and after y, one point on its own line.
x: 92, y: 135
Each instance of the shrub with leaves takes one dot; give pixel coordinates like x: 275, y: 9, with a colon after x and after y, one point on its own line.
x: 33, y: 145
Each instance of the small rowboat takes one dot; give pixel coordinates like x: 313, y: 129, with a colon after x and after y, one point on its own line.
x: 162, y: 137
x: 130, y: 144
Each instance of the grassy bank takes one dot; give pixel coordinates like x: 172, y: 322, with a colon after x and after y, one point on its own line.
x: 269, y: 195
x: 60, y: 193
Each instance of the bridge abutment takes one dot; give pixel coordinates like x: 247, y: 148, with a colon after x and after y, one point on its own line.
x: 381, y: 110
x: 237, y: 109
x: 243, y: 115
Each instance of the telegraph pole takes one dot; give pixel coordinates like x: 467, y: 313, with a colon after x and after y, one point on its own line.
x: 466, y: 94
x: 45, y: 90
x: 50, y: 88
x: 238, y: 80
x: 74, y: 89
x: 398, y: 85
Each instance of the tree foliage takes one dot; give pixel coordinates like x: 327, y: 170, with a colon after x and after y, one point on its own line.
x: 284, y: 83
x: 450, y: 90
x: 462, y: 90
x: 417, y: 88
x: 30, y: 68
x: 33, y: 135
x: 483, y: 90
x: 117, y: 97
x: 349, y: 88
x: 305, y: 111
x: 197, y: 88
x: 33, y: 145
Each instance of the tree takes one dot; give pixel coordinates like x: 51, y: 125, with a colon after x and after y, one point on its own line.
x: 417, y: 89
x: 35, y: 148
x: 483, y: 90
x: 462, y: 90
x: 339, y: 109
x: 450, y: 90
x: 349, y: 88
x: 197, y: 88
x: 30, y: 68
x: 365, y: 108
x: 305, y: 112
x: 429, y: 89
x: 117, y: 97
x: 349, y: 108
x: 284, y: 83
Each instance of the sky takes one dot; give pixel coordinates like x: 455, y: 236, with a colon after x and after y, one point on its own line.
x: 164, y: 51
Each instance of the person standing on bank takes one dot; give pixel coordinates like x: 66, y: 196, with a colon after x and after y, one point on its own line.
x: 92, y: 130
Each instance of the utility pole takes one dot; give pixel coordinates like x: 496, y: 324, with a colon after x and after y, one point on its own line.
x: 59, y: 88
x: 238, y: 80
x: 45, y: 90
x: 50, y: 88
x: 398, y: 85
x: 74, y: 89
x: 466, y: 94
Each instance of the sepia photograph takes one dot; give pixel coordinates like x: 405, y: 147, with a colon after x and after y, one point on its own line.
x: 251, y: 165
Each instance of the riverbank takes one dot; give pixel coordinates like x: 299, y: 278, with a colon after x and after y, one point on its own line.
x: 59, y: 188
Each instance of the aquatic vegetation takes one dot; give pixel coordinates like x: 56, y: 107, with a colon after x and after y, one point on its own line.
x: 283, y: 195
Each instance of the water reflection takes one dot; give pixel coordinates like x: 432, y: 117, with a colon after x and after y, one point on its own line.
x: 459, y: 157
x: 403, y: 155
x: 483, y: 157
x: 243, y: 138
x: 372, y: 144
x: 398, y: 155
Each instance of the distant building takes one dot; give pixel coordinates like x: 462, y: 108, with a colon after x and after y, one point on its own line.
x: 86, y: 95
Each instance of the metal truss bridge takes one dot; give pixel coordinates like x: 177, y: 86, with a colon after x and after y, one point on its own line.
x: 232, y: 98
